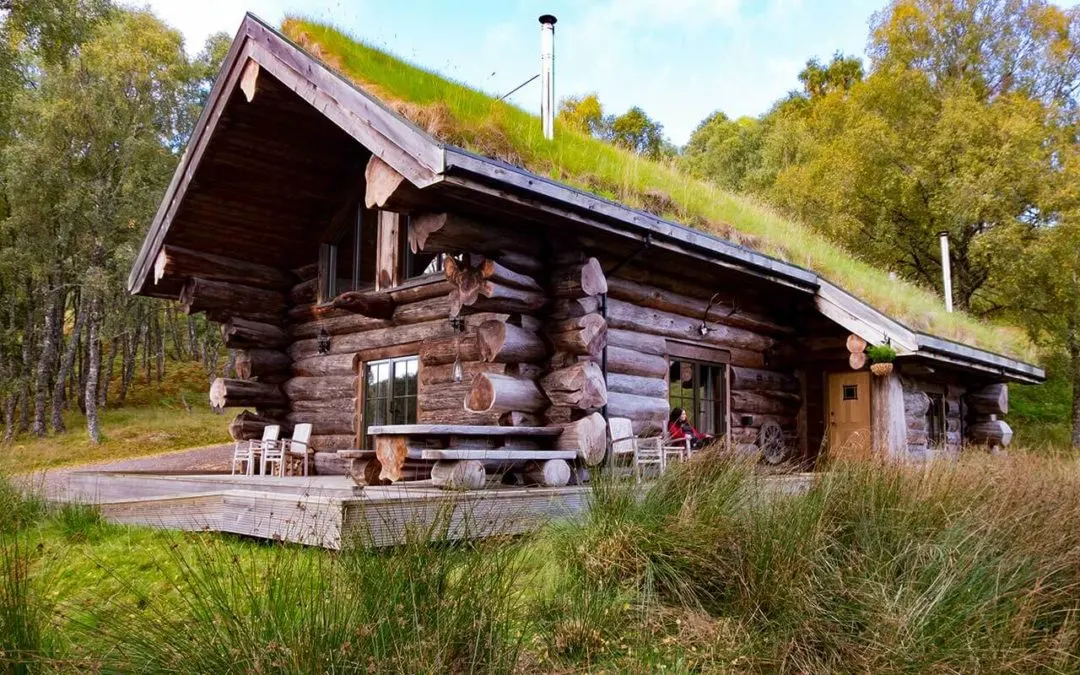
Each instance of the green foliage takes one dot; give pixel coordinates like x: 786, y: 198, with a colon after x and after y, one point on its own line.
x: 881, y: 353
x: 633, y: 130
x: 839, y: 75
x: 590, y: 164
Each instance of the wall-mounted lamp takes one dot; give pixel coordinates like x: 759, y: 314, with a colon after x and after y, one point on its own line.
x: 457, y: 324
x: 323, y: 341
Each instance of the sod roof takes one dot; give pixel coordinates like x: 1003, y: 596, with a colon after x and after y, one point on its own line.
x: 462, y: 116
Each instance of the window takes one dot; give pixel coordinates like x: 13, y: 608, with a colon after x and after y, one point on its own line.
x: 851, y: 392
x: 347, y: 262
x: 416, y: 264
x: 935, y: 420
x: 390, y: 388
x: 701, y: 390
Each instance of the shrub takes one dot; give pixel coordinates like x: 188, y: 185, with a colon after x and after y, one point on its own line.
x: 881, y: 353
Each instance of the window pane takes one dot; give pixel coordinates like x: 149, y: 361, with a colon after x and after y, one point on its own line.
x: 699, y: 389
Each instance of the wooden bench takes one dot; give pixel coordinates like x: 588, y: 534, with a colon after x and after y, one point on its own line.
x: 461, y: 456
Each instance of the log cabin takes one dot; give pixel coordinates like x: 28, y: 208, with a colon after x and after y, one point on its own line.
x: 439, y: 314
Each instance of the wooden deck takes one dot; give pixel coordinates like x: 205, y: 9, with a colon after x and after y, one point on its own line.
x: 326, y: 511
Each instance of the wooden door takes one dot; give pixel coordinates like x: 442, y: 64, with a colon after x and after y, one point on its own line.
x: 849, y: 415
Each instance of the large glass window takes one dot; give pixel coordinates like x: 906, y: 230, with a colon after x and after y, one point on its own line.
x: 390, y: 388
x: 416, y: 264
x: 701, y: 390
x: 349, y: 261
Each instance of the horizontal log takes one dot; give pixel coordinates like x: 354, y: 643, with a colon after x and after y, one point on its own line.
x: 630, y: 362
x: 569, y: 308
x: 726, y: 313
x: 444, y: 374
x: 492, y: 297
x: 580, y: 386
x: 248, y: 425
x: 990, y: 400
x: 520, y: 262
x: 330, y: 364
x: 579, y: 280
x: 261, y: 362
x: 505, y: 343
x: 584, y: 335
x: 446, y: 349
x: 992, y: 433
x: 637, y: 341
x: 916, y: 403
x: 587, y: 436
x: 241, y: 333
x: 234, y: 393
x: 647, y: 414
x: 175, y: 262
x: 306, y: 272
x: 622, y: 314
x: 372, y: 339
x: 762, y: 403
x: 500, y: 393
x: 456, y: 415
x: 495, y: 272
x: 317, y: 405
x: 204, y: 295
x: 748, y: 358
x: 326, y: 422
x: 516, y: 418
x: 458, y: 475
x: 756, y: 379
x: 445, y: 396
x: 330, y: 442
x: 372, y: 304
x: 313, y: 388
x: 304, y: 292
x: 549, y: 473
x: 652, y: 387
x: 412, y: 291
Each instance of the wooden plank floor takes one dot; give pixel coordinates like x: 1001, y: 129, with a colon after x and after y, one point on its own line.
x: 322, y: 511
x: 329, y: 511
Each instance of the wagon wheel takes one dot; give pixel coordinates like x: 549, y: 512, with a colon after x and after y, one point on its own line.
x: 771, y: 442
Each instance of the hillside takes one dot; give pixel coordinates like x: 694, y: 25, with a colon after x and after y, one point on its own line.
x: 459, y: 115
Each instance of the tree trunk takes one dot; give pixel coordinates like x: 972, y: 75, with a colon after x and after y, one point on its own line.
x: 549, y: 473
x: 93, y: 367
x: 1074, y: 367
x: 159, y: 347
x: 245, y: 393
x: 230, y: 365
x: 110, y: 362
x: 501, y: 342
x: 66, y: 363
x: 499, y: 393
x: 54, y: 313
x: 463, y: 475
x: 10, y: 401
x: 580, y: 386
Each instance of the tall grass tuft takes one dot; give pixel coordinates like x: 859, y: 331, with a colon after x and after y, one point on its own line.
x: 419, y: 607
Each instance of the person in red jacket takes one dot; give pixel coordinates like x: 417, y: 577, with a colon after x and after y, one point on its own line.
x: 679, y: 427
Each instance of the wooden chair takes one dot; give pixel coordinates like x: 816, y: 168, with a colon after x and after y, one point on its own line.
x: 250, y: 452
x: 643, y: 451
x: 273, y: 453
x: 678, y: 448
x: 623, y: 441
x: 296, y: 449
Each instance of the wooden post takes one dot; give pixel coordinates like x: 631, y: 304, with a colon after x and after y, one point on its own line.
x: 887, y: 419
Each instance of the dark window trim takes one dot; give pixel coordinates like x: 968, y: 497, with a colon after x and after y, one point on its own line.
x: 386, y: 356
x: 721, y: 417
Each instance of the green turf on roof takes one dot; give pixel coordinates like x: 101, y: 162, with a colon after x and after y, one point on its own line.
x: 457, y: 114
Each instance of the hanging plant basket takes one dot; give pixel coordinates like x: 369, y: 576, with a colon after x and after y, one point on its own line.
x: 881, y: 369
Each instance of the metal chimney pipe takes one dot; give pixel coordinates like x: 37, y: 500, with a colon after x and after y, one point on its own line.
x: 946, y: 269
x: 547, y: 74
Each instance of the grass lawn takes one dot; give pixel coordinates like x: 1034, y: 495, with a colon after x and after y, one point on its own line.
x: 457, y: 114
x: 950, y: 568
x: 169, y: 415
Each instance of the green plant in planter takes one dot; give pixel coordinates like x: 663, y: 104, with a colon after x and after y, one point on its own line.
x: 881, y: 353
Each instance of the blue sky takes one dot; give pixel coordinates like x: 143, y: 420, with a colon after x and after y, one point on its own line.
x: 677, y: 59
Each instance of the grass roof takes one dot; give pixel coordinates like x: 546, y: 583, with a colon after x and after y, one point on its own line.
x: 462, y: 116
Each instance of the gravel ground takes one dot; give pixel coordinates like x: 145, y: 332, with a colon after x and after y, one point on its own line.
x: 210, y: 459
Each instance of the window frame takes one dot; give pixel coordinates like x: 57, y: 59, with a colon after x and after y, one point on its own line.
x: 399, y: 354
x: 721, y: 403
x: 332, y: 244
x: 936, y: 433
x: 405, y: 256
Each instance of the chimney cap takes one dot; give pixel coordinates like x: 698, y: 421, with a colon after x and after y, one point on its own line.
x: 548, y: 18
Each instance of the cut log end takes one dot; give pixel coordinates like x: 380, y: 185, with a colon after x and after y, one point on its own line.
x: 373, y: 304
x: 549, y: 473
x: 459, y: 475
x: 588, y: 436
